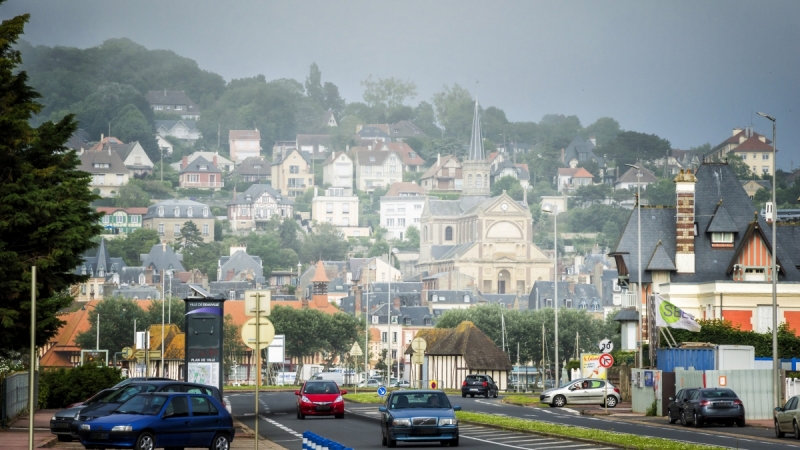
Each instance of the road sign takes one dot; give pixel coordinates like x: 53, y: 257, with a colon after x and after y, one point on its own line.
x: 127, y: 352
x: 606, y: 360
x: 419, y: 345
x: 381, y: 391
x: 432, y: 384
x: 417, y: 358
x: 356, y: 350
x: 606, y: 346
x: 249, y: 333
x: 252, y: 298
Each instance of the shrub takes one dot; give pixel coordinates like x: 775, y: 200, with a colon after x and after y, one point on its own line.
x: 651, y: 411
x: 66, y: 386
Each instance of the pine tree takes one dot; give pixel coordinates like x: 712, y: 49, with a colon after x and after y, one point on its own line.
x: 45, y: 215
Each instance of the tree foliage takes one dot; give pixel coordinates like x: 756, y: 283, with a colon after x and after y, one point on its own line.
x: 116, y: 325
x: 325, y: 242
x: 510, y: 185
x: 135, y: 243
x: 723, y: 332
x: 309, y: 331
x: 45, y: 215
x: 661, y: 193
x: 454, y: 110
x: 631, y: 146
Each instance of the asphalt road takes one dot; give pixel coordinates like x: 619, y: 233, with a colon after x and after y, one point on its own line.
x: 361, y: 430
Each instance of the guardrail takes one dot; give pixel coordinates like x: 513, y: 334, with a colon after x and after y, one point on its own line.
x: 313, y: 441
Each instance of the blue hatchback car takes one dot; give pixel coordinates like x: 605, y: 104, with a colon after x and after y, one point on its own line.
x: 161, y: 419
x: 418, y: 416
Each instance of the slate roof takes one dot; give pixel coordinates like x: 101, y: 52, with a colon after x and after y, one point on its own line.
x: 372, y: 157
x: 137, y: 292
x: 371, y: 131
x: 284, y: 156
x: 195, y: 165
x: 406, y: 153
x: 452, y: 296
x: 168, y: 125
x: 398, y: 287
x: 457, y: 250
x: 257, y: 190
x: 630, y: 175
x: 722, y: 221
x: 455, y: 207
x: 520, y: 169
x: 169, y: 209
x: 91, y: 157
x: 165, y: 97
x: 209, y: 156
x: 405, y: 128
x: 414, y: 316
x: 248, y: 166
x: 79, y: 139
x: 577, y: 293
x: 479, y: 352
x: 507, y: 300
x: 98, y: 258
x: 239, y: 262
x: 661, y: 260
x: 224, y: 288
x: 715, y: 182
x: 162, y: 257
x: 581, y: 150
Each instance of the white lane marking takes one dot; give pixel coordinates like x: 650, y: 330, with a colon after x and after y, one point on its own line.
x: 283, y: 427
x: 496, y: 443
x: 488, y: 403
x: 570, y: 410
x: 563, y: 446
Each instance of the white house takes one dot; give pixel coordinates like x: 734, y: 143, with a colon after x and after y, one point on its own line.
x: 337, y: 170
x: 376, y: 168
x: 180, y: 129
x: 244, y: 144
x: 401, y: 207
x: 339, y: 206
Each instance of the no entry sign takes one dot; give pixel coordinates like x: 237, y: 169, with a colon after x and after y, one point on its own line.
x: 606, y: 360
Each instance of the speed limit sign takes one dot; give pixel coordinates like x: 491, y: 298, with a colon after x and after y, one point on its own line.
x: 606, y: 346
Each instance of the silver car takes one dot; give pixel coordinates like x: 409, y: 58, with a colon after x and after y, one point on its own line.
x: 787, y: 418
x: 583, y: 391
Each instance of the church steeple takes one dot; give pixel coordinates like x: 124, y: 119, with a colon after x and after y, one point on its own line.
x: 475, y: 170
x: 476, y: 142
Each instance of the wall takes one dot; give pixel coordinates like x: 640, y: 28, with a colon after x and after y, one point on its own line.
x: 754, y: 387
x: 642, y: 396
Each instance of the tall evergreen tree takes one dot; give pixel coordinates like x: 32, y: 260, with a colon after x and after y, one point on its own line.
x: 45, y: 215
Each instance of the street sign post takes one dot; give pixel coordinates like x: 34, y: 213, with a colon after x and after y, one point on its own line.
x: 606, y: 360
x: 606, y: 346
x: 381, y: 391
x: 418, y: 346
x: 355, y: 351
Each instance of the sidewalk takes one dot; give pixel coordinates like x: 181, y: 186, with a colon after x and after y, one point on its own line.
x: 623, y: 411
x: 16, y: 436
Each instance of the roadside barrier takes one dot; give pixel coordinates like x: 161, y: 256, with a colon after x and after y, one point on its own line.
x: 313, y: 441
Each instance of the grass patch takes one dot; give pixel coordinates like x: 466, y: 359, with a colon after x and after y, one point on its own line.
x: 366, y: 397
x: 261, y: 388
x: 586, y: 434
x: 521, y: 400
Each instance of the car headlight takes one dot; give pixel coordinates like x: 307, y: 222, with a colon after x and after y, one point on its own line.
x: 86, y: 427
x: 53, y: 418
x: 448, y: 421
x: 339, y: 399
x: 401, y: 422
x: 122, y: 428
x: 304, y: 399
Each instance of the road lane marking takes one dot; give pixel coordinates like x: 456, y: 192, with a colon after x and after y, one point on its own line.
x: 282, y: 427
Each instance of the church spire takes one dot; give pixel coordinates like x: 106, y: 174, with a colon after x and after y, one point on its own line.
x: 476, y: 142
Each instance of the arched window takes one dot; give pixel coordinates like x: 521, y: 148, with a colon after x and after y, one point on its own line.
x: 478, y: 181
x: 177, y: 211
x: 448, y: 234
x: 425, y: 233
x: 189, y: 211
x: 469, y: 181
x: 160, y: 211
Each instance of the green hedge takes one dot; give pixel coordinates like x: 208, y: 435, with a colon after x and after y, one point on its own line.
x: 59, y: 388
x: 721, y: 332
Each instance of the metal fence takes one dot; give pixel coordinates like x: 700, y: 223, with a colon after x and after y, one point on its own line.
x: 754, y: 387
x: 14, y: 392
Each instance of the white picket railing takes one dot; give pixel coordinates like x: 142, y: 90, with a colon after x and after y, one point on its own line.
x: 792, y: 387
x: 628, y: 299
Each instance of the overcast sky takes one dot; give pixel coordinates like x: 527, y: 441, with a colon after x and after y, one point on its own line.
x: 688, y: 71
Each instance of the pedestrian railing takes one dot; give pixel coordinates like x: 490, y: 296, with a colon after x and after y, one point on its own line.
x: 313, y: 441
x: 14, y: 395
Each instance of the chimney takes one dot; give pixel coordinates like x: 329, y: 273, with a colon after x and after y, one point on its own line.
x: 357, y: 293
x: 102, y: 136
x: 396, y: 302
x: 230, y: 275
x: 684, y: 233
x: 214, y: 161
x: 736, y: 131
x: 593, y: 140
x: 438, y: 159
x: 562, y: 155
x: 184, y: 162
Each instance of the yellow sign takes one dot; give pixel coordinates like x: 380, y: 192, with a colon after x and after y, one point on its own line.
x: 433, y: 384
x: 590, y: 366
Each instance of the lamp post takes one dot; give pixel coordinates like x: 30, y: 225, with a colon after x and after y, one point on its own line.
x: 389, y: 322
x: 299, y: 266
x: 366, y: 335
x: 775, y: 362
x: 639, y: 351
x: 553, y: 209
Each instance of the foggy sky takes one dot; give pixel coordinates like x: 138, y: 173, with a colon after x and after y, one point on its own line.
x: 687, y: 71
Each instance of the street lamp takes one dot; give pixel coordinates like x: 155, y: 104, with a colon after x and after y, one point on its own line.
x: 392, y: 252
x: 97, y: 324
x: 371, y: 267
x: 639, y: 352
x: 775, y: 362
x: 553, y: 209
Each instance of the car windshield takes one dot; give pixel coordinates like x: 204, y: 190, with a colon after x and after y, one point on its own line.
x: 143, y: 404
x: 423, y: 400
x: 101, y: 397
x: 719, y: 393
x: 125, y: 394
x: 325, y: 387
x: 474, y: 378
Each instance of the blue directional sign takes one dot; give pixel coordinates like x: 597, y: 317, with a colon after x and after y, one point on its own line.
x: 381, y: 391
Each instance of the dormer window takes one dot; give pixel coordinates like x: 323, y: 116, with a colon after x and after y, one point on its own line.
x: 394, y: 320
x: 177, y: 211
x: 374, y: 319
x: 160, y: 211
x: 568, y: 302
x: 548, y: 303
x: 427, y: 321
x: 466, y: 298
x: 256, y: 166
x: 205, y: 212
x: 407, y: 321
x: 722, y: 239
x: 203, y: 167
x: 435, y: 298
x: 189, y: 212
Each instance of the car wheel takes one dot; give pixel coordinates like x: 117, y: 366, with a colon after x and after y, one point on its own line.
x: 383, y: 439
x: 463, y: 395
x: 471, y: 395
x: 391, y: 443
x: 221, y: 442
x: 340, y: 416
x: 796, y: 430
x: 696, y: 421
x: 145, y: 441
x: 487, y: 393
x: 454, y: 442
x: 684, y: 422
x: 301, y: 416
x: 611, y: 401
x: 778, y: 433
x: 669, y: 416
x: 64, y: 438
x: 496, y: 393
x: 740, y: 423
x: 559, y: 401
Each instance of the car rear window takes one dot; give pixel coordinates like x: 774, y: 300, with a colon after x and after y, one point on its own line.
x: 719, y: 393
x: 325, y: 387
x: 201, y: 406
x: 125, y: 394
x: 476, y: 378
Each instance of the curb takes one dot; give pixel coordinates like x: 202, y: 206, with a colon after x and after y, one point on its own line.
x: 248, y: 433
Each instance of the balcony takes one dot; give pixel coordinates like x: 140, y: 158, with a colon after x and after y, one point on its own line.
x: 628, y: 299
x: 203, y: 184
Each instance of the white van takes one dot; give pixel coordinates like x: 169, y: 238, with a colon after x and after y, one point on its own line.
x: 332, y: 376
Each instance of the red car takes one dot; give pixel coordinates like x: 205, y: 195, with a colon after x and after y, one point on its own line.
x: 320, y: 398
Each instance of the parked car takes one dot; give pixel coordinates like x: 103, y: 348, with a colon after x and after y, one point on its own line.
x: 675, y: 408
x: 130, y: 380
x: 372, y: 383
x: 162, y: 419
x: 479, y: 384
x: 125, y: 393
x: 787, y: 418
x: 337, y: 377
x: 61, y: 421
x: 718, y: 405
x: 418, y: 416
x: 582, y: 391
x: 401, y: 384
x: 320, y: 398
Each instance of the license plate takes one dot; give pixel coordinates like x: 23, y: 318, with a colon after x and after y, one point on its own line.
x: 323, y: 408
x: 473, y: 389
x: 723, y: 404
x: 62, y: 425
x: 425, y: 431
x: 99, y: 436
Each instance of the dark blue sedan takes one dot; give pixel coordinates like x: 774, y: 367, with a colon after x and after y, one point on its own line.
x: 161, y: 419
x: 418, y: 416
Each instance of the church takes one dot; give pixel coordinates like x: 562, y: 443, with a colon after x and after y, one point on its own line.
x: 488, y: 239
